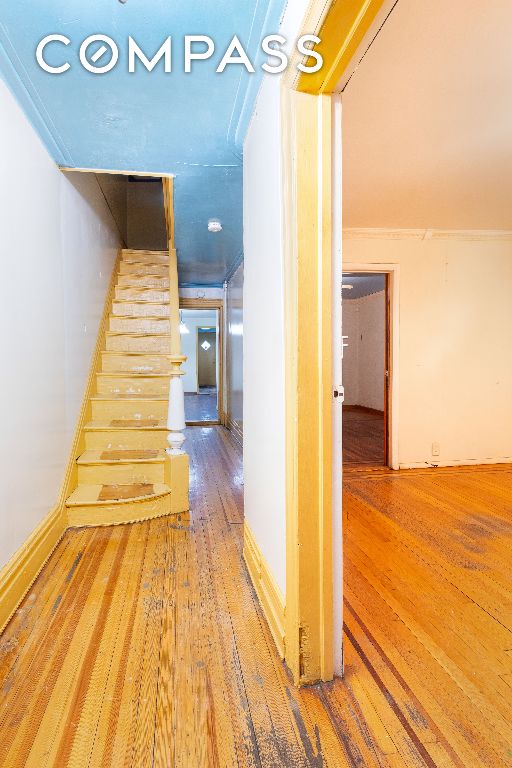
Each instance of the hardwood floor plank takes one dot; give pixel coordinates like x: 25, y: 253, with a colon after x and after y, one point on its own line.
x: 363, y: 437
x: 145, y: 645
x: 41, y: 601
x: 44, y: 695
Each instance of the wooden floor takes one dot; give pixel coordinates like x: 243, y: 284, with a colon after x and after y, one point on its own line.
x: 363, y: 437
x: 201, y: 407
x: 144, y: 645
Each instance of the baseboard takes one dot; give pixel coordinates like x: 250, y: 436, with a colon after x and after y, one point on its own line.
x: 364, y: 409
x: 458, y: 463
x: 269, y: 594
x: 18, y: 575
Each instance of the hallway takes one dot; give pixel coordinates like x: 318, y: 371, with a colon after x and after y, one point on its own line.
x: 201, y: 407
x: 144, y: 645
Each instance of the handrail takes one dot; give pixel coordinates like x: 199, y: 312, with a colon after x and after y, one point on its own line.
x: 168, y: 187
x: 176, y: 411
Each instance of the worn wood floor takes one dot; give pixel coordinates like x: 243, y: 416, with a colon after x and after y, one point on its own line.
x: 363, y: 438
x: 144, y: 645
x: 201, y: 407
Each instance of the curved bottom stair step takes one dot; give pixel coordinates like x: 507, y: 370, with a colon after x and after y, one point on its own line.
x: 96, y: 505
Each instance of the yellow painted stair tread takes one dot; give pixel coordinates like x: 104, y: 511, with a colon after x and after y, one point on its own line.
x: 117, y: 424
x: 133, y: 374
x: 150, y: 282
x: 120, y: 456
x: 140, y: 334
x: 130, y: 396
x: 140, y: 299
x: 138, y: 317
x: 123, y: 302
x: 98, y: 495
x: 135, y: 354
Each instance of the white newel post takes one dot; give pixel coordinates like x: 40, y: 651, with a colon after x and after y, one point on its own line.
x: 176, y: 412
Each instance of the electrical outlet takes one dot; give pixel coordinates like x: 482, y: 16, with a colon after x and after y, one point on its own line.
x: 436, y: 449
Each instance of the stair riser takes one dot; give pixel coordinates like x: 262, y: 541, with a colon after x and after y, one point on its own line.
x: 116, y: 514
x: 140, y: 257
x: 134, y: 293
x: 120, y: 474
x: 138, y: 325
x: 143, y: 282
x: 113, y: 385
x: 141, y: 270
x: 135, y: 363
x: 139, y: 309
x: 126, y: 438
x: 107, y: 410
x: 139, y: 344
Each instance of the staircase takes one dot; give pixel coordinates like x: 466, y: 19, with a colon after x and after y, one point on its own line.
x: 124, y: 473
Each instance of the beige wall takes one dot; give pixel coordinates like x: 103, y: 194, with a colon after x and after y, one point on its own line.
x: 234, y: 351
x: 364, y: 322
x: 455, y: 351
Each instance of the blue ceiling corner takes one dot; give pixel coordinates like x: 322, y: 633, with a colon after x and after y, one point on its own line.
x: 192, y: 125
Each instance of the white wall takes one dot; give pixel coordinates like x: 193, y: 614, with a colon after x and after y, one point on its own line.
x: 364, y: 322
x: 58, y: 244
x: 455, y: 353
x: 194, y: 320
x: 263, y: 301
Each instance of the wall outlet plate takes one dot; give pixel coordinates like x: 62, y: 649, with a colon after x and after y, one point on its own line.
x: 436, y: 449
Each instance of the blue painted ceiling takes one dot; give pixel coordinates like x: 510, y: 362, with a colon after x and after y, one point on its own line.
x: 192, y: 125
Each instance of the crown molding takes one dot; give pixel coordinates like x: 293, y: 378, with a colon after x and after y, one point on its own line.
x: 370, y: 233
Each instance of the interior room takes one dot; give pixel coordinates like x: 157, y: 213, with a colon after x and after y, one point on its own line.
x: 365, y: 373
x: 427, y: 197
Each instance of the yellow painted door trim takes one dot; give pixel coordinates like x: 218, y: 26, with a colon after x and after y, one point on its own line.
x: 307, y: 169
x: 341, y: 29
x: 307, y: 134
x: 218, y: 304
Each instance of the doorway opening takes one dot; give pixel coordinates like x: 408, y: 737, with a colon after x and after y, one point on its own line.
x: 366, y: 369
x: 201, y: 344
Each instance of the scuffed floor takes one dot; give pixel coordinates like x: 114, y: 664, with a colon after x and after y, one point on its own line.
x: 144, y: 645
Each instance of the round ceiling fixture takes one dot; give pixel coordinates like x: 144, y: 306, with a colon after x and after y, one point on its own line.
x: 214, y: 225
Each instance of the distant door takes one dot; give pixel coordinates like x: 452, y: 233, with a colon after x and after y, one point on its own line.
x: 206, y: 357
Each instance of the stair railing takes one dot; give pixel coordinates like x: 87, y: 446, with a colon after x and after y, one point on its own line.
x: 176, y: 410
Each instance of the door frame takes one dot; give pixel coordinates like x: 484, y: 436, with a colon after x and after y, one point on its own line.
x: 217, y: 304
x: 392, y: 274
x: 311, y: 236
x: 217, y: 351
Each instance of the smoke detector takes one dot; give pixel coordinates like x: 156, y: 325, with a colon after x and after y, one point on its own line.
x: 214, y: 225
